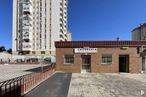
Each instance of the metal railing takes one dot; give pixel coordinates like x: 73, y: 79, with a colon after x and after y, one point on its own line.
x: 21, y: 85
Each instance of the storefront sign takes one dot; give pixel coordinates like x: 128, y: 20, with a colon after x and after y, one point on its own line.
x: 85, y: 50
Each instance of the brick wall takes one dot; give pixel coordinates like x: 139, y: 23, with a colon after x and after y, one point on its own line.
x: 96, y: 65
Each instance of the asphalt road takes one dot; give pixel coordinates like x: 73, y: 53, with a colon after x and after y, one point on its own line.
x: 55, y: 86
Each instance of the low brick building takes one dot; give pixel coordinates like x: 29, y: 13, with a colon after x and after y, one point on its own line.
x: 101, y: 56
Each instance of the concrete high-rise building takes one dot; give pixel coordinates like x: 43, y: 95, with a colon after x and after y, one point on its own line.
x: 37, y: 24
x: 139, y: 33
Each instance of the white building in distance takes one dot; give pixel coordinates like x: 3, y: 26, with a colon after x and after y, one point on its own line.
x: 139, y: 33
x: 37, y: 24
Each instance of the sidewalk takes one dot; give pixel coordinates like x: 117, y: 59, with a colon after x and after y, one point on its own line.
x: 107, y: 85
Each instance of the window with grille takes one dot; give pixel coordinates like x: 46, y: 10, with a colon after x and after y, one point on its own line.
x: 69, y: 59
x: 106, y: 59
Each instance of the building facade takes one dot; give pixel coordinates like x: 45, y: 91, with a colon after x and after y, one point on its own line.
x: 139, y: 33
x: 37, y: 24
x: 101, y: 56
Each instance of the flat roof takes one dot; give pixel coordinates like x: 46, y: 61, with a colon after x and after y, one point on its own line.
x: 77, y: 44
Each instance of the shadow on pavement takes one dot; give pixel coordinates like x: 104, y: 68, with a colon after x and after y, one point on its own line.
x: 39, y: 69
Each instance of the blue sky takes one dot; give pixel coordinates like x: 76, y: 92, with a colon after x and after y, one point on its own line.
x: 88, y: 19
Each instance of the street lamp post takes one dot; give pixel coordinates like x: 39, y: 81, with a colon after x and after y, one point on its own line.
x: 41, y: 62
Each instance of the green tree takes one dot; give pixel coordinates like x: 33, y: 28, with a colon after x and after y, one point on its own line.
x: 9, y: 51
x: 2, y: 49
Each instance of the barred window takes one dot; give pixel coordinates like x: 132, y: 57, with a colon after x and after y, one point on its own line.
x: 106, y: 59
x: 69, y: 59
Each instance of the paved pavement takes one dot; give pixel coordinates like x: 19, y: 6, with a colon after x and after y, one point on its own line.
x: 107, y: 85
x: 91, y: 85
x: 81, y: 85
x: 55, y: 86
x: 11, y: 71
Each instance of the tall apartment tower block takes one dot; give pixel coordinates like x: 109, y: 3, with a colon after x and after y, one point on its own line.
x: 139, y: 33
x: 37, y: 24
